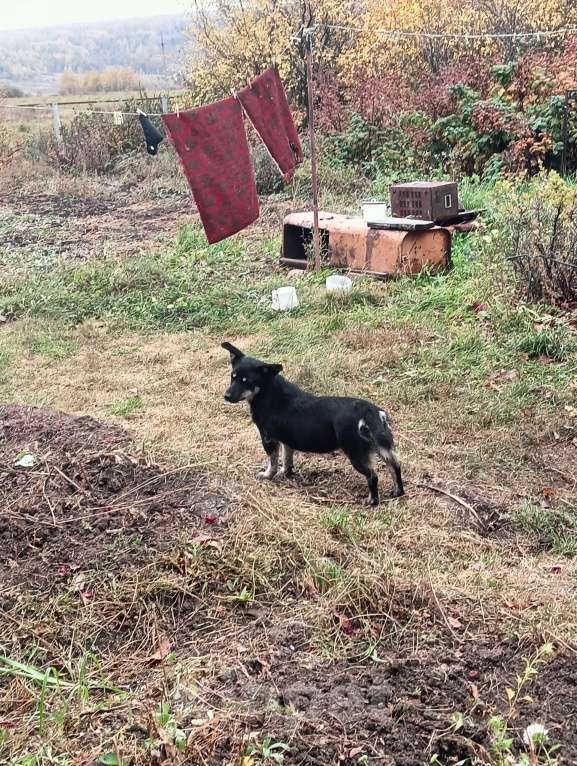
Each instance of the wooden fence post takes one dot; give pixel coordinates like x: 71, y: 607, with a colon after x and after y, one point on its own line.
x: 57, y: 125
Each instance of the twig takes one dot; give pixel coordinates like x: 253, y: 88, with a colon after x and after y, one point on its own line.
x: 542, y: 258
x: 561, y: 641
x: 48, y: 502
x: 68, y: 479
x: 97, y: 511
x: 569, y: 478
x: 33, y: 520
x: 6, y: 469
x: 440, y: 608
x: 160, y: 476
x: 457, y: 499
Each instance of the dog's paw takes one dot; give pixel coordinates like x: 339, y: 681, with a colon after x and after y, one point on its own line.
x: 371, y: 501
x: 282, y: 474
x: 264, y: 475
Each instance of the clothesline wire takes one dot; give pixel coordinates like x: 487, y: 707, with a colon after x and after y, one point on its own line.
x: 65, y: 108
x: 444, y: 35
x: 467, y: 36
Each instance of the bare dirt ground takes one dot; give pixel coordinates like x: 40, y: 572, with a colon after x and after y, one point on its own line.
x: 81, y: 227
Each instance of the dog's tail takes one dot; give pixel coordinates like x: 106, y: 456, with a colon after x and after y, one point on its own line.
x: 375, y: 428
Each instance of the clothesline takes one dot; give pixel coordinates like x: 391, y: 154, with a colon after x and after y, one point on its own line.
x: 64, y: 107
x: 444, y: 35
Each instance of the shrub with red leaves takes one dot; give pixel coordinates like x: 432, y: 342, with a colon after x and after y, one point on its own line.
x: 471, y: 117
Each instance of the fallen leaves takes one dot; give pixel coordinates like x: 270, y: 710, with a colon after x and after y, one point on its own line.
x: 522, y: 606
x: 501, y: 377
x: 163, y: 649
x: 345, y: 624
x: 78, y: 585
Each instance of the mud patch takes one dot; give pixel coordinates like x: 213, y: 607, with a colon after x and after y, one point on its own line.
x: 41, y: 229
x: 399, y: 711
x: 91, y: 530
x: 89, y: 496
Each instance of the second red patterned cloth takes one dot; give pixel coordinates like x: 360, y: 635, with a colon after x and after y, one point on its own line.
x: 266, y: 106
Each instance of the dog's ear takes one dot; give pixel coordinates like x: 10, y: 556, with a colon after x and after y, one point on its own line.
x: 270, y: 369
x: 235, y: 353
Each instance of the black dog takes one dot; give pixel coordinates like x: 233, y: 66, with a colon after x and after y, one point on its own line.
x: 288, y: 417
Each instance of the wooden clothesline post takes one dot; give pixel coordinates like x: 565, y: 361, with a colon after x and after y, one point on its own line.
x: 308, y: 37
x: 57, y: 127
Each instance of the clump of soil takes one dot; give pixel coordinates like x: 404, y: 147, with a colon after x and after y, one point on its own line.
x: 400, y: 710
x: 88, y: 494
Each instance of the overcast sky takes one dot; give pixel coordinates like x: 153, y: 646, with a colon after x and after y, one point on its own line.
x: 18, y: 14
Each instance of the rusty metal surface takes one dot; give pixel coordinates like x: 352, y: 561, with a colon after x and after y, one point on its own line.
x: 351, y: 244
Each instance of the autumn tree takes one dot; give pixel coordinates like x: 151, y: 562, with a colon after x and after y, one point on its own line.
x: 514, y: 17
x: 238, y: 39
x: 438, y: 32
x: 68, y: 83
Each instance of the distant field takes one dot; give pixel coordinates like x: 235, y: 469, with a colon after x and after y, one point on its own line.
x: 33, y: 60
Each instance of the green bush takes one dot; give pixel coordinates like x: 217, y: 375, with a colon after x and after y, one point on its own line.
x: 533, y: 234
x: 268, y: 177
x: 382, y: 149
x: 91, y: 141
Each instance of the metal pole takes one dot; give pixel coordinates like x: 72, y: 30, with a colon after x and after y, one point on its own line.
x: 310, y: 95
x: 164, y: 104
x: 564, y: 135
x: 57, y: 125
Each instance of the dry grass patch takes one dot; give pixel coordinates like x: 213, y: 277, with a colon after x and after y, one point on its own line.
x: 427, y: 539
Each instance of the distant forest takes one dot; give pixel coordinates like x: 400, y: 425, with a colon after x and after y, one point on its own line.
x: 34, y: 59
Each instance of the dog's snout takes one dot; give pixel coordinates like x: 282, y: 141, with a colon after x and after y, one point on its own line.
x: 227, y: 397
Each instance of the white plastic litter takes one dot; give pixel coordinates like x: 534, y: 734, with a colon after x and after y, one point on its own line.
x: 336, y: 282
x: 25, y: 460
x: 374, y: 211
x: 284, y: 299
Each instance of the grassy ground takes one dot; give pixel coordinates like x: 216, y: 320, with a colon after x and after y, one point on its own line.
x: 480, y: 553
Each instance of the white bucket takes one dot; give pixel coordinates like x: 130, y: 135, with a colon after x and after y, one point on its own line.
x: 336, y: 282
x: 284, y: 299
x: 374, y: 211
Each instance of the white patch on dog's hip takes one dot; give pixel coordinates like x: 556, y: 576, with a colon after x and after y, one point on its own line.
x: 384, y: 417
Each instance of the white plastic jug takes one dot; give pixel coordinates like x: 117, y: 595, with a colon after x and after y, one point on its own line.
x: 336, y: 282
x: 284, y: 299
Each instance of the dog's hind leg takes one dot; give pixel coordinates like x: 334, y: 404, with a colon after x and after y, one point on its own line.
x: 381, y: 435
x: 361, y: 462
x: 287, y: 458
x: 392, y: 464
x: 272, y: 449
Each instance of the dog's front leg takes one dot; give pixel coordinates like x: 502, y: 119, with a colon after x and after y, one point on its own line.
x: 271, y: 448
x: 287, y: 456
